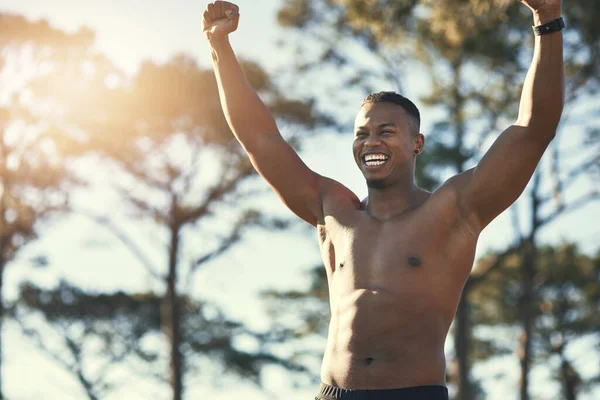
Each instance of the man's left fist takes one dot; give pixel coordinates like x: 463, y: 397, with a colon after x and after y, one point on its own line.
x: 543, y: 5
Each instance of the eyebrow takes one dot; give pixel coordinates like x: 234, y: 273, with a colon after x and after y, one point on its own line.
x: 384, y: 125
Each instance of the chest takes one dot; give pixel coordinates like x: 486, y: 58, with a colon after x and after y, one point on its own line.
x: 415, y: 238
x: 364, y: 252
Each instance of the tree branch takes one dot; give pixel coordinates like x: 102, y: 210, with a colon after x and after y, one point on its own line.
x: 479, y: 274
x: 35, y: 336
x: 563, y: 184
x: 594, y: 195
x: 125, y: 239
x: 77, y: 368
x: 215, y: 194
x: 144, y: 207
x: 226, y: 243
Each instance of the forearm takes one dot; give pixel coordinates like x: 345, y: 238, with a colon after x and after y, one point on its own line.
x: 543, y: 92
x: 245, y: 112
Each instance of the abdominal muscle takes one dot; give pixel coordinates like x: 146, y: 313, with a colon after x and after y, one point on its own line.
x: 379, y: 340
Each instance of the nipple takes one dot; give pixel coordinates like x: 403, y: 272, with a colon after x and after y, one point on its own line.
x: 414, y: 262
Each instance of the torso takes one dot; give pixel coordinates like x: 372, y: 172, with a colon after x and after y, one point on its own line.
x: 394, y: 287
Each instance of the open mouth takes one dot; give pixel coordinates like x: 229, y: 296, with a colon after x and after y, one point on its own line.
x: 375, y: 160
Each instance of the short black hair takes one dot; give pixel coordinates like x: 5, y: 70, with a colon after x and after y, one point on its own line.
x: 405, y: 103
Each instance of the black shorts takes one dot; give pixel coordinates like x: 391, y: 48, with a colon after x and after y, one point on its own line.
x: 327, y: 392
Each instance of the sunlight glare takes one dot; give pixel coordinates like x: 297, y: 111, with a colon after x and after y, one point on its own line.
x: 112, y: 81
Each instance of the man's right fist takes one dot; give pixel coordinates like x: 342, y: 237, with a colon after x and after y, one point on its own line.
x: 220, y: 19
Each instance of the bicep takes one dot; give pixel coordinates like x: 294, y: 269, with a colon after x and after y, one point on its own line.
x: 504, y: 171
x: 295, y: 184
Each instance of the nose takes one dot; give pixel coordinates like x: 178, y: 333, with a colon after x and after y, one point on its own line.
x: 372, y: 141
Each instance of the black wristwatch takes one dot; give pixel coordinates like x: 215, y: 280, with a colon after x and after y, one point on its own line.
x: 553, y: 26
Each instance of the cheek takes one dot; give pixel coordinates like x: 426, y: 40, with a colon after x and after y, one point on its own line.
x: 356, y: 147
x: 402, y: 145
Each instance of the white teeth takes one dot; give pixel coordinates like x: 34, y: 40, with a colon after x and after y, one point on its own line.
x: 370, y: 157
x: 374, y: 163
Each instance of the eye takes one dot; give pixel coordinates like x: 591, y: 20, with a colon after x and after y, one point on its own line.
x: 361, y: 134
x: 387, y: 132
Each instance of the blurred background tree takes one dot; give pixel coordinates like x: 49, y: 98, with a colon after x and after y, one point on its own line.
x: 99, y: 338
x: 105, y: 338
x: 162, y: 142
x: 178, y: 193
x: 33, y: 178
x: 564, y: 311
x: 473, y: 56
x: 182, y: 175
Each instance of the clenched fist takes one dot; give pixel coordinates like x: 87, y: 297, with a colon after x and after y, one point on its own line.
x: 542, y: 5
x: 220, y: 19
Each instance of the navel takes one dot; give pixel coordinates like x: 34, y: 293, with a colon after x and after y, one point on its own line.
x: 414, y: 261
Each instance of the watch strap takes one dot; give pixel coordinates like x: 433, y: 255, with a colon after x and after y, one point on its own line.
x: 556, y: 25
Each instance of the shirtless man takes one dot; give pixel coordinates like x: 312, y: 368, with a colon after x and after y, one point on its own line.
x: 397, y: 261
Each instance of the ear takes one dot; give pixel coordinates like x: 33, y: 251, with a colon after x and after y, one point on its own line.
x: 418, y: 143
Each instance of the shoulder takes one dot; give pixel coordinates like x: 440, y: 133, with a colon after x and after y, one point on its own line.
x: 331, y: 189
x: 336, y: 197
x: 451, y: 196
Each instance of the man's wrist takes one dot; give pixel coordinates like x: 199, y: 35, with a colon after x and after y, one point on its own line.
x: 218, y: 44
x: 544, y: 16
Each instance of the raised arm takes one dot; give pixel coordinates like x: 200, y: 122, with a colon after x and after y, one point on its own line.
x: 254, y: 126
x: 504, y: 171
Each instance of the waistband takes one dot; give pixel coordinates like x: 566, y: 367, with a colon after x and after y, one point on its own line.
x: 327, y: 392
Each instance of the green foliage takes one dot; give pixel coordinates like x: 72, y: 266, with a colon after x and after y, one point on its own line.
x: 17, y: 30
x: 454, y: 41
x: 298, y: 315
x: 565, y: 277
x: 565, y: 306
x: 76, y: 321
x: 33, y: 181
x: 184, y: 170
x: 177, y: 165
x: 449, y: 39
x: 79, y: 330
x: 473, y: 55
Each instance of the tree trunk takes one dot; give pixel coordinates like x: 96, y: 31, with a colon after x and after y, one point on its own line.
x: 526, y: 311
x: 462, y: 332
x: 2, y: 264
x: 528, y: 303
x: 570, y: 379
x: 171, y: 319
x: 462, y: 338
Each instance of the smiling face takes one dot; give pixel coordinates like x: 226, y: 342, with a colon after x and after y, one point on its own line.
x: 385, y: 142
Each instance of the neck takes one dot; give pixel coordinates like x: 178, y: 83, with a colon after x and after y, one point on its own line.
x: 387, y: 202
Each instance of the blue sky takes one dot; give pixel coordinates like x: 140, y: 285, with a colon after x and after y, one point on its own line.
x: 136, y: 30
